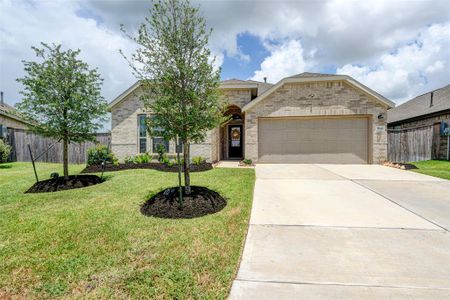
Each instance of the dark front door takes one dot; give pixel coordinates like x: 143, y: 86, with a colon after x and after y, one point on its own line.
x: 235, y: 141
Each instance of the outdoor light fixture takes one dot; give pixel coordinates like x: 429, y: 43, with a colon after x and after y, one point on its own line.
x: 381, y: 117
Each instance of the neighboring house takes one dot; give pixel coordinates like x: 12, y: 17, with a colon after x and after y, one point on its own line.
x: 306, y: 118
x: 419, y: 125
x: 10, y: 118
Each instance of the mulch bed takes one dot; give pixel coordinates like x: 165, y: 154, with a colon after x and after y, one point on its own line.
x: 60, y: 184
x: 154, y: 166
x: 202, y: 201
x: 402, y: 166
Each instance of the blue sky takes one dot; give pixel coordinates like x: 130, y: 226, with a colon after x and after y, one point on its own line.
x: 398, y: 48
x: 234, y: 67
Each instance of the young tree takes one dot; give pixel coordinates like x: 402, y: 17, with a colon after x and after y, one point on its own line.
x: 177, y: 74
x: 62, y: 96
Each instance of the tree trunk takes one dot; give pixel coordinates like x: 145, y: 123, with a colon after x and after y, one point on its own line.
x: 187, y: 166
x: 66, y: 158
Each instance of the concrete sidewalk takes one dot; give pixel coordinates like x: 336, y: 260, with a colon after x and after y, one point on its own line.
x: 346, y: 232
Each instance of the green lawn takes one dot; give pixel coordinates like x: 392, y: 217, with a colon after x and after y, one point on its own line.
x: 94, y: 242
x: 436, y: 168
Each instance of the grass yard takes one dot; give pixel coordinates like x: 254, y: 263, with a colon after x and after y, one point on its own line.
x: 94, y: 242
x: 436, y: 168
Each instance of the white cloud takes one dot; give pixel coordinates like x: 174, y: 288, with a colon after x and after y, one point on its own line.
x: 371, y: 40
x: 412, y: 69
x: 23, y: 24
x: 284, y: 60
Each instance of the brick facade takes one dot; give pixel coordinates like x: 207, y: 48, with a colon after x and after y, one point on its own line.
x: 291, y: 99
x: 318, y: 99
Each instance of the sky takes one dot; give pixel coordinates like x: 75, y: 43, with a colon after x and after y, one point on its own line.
x: 400, y: 49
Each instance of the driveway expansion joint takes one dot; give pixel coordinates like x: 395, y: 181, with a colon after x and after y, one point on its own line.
x: 405, y: 208
x: 343, y: 284
x: 347, y: 227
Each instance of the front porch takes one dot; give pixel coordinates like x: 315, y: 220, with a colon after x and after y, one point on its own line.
x: 231, y: 135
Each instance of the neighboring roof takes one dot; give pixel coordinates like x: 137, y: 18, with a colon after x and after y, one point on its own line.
x: 420, y: 105
x: 10, y: 112
x: 314, y: 77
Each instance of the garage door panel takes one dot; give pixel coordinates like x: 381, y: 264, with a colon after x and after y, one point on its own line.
x: 313, y: 140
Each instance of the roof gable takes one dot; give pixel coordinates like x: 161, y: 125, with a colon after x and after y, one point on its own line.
x: 315, y: 77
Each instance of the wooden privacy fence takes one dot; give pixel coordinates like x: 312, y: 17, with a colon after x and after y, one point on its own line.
x: 412, y: 144
x: 19, y: 140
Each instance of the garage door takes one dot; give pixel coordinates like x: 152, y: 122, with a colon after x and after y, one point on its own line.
x: 313, y: 140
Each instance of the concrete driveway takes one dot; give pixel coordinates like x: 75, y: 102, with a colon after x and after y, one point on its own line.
x: 346, y: 232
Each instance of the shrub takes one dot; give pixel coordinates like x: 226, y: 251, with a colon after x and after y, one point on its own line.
x: 247, y: 161
x: 165, y: 159
x: 142, y: 158
x: 198, y: 160
x: 128, y: 159
x: 161, y: 152
x: 5, y: 150
x: 170, y: 163
x: 99, y: 154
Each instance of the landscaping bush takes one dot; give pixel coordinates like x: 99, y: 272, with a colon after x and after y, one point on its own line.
x: 165, y: 159
x: 142, y: 158
x: 5, y: 150
x: 198, y: 160
x: 99, y: 154
x: 128, y: 159
x: 247, y: 161
x: 161, y: 152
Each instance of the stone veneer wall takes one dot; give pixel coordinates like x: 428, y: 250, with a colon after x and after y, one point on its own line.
x: 239, y: 97
x: 124, y: 132
x: 330, y: 98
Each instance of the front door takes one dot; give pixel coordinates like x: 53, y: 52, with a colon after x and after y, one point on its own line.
x: 235, y: 141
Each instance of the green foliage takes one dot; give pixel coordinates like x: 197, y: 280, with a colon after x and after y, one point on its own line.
x: 5, y: 150
x: 54, y: 175
x: 99, y: 154
x: 142, y: 158
x: 128, y: 159
x: 72, y: 248
x: 165, y: 159
x: 161, y: 152
x: 198, y: 160
x: 170, y: 163
x: 179, y: 81
x: 247, y: 161
x: 62, y: 97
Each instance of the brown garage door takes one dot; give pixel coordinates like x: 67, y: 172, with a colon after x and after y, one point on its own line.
x: 313, y: 140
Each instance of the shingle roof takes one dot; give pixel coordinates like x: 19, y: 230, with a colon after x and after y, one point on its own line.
x: 11, y: 112
x: 309, y: 75
x: 420, y: 105
x: 261, y: 86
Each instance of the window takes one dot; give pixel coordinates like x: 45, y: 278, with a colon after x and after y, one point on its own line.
x: 142, y: 129
x: 158, y: 140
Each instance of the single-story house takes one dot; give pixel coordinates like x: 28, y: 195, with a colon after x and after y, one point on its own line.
x: 422, y: 121
x: 10, y: 118
x: 306, y: 118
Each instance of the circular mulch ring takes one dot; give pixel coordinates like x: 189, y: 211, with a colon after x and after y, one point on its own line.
x: 202, y: 201
x: 60, y: 184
